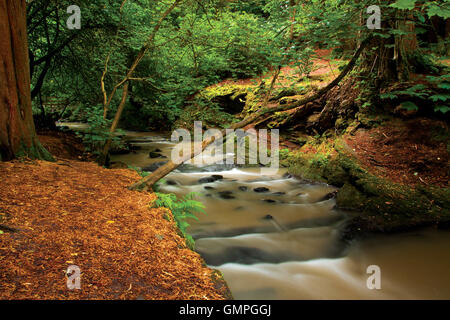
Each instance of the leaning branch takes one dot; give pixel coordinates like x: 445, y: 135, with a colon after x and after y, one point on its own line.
x: 142, y: 52
x: 148, y: 182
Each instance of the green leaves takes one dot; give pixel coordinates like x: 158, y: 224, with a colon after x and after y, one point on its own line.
x: 444, y: 85
x: 442, y: 10
x: 410, y: 106
x: 182, y: 209
x: 404, y: 4
x: 432, y: 8
x: 441, y: 108
x: 388, y: 95
x: 440, y: 97
x: 427, y: 93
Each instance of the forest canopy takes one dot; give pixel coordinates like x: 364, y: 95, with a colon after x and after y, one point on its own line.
x: 199, y: 43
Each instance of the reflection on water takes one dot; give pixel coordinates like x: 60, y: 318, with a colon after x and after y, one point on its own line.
x: 274, y: 237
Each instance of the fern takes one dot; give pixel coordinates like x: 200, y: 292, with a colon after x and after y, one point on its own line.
x: 143, y: 174
x: 182, y: 209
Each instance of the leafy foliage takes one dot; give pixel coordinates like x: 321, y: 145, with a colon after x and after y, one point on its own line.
x: 182, y: 209
x: 435, y: 93
x: 95, y: 136
x: 204, y: 42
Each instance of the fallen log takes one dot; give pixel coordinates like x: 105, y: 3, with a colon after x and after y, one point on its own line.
x: 146, y: 183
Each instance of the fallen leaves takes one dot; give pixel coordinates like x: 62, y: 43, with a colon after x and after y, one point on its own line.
x: 408, y: 154
x: 81, y: 214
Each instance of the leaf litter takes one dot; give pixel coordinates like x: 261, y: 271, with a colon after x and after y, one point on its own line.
x: 77, y: 213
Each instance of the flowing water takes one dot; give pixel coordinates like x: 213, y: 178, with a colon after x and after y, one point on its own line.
x: 283, y: 242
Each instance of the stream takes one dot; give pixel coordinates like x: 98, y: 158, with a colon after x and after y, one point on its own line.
x: 276, y: 237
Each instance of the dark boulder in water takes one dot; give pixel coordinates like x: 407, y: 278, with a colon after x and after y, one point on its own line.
x: 269, y: 200
x: 206, y: 180
x: 226, y: 195
x: 120, y: 150
x: 328, y: 196
x: 154, y: 155
x: 209, y: 188
x: 171, y: 182
x: 210, y: 179
x: 243, y: 188
x: 134, y: 147
x: 261, y: 189
x: 154, y: 166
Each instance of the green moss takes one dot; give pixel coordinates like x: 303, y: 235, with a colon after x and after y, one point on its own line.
x: 221, y: 285
x: 35, y: 151
x: 383, y: 205
x: 349, y: 197
x: 224, y: 90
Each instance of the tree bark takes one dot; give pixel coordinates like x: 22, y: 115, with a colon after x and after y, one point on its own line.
x: 148, y: 182
x: 17, y: 132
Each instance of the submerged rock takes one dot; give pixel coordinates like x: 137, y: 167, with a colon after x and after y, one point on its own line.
x: 154, y: 155
x: 269, y: 200
x: 243, y: 188
x: 210, y: 179
x: 261, y: 189
x: 227, y: 195
x: 154, y: 166
x: 120, y: 150
x: 329, y: 196
x: 206, y: 180
x: 171, y: 183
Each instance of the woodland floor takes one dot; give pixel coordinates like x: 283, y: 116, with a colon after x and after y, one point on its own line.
x: 405, y: 152
x: 77, y: 213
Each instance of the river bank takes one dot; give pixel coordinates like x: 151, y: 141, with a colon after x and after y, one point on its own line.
x: 274, y: 236
x: 69, y: 212
x: 289, y: 256
x: 391, y: 165
x: 394, y: 176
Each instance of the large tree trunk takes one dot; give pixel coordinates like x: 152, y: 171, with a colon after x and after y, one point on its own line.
x: 17, y: 132
x: 389, y: 62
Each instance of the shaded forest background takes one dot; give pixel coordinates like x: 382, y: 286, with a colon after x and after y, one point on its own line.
x: 142, y: 65
x: 203, y: 42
